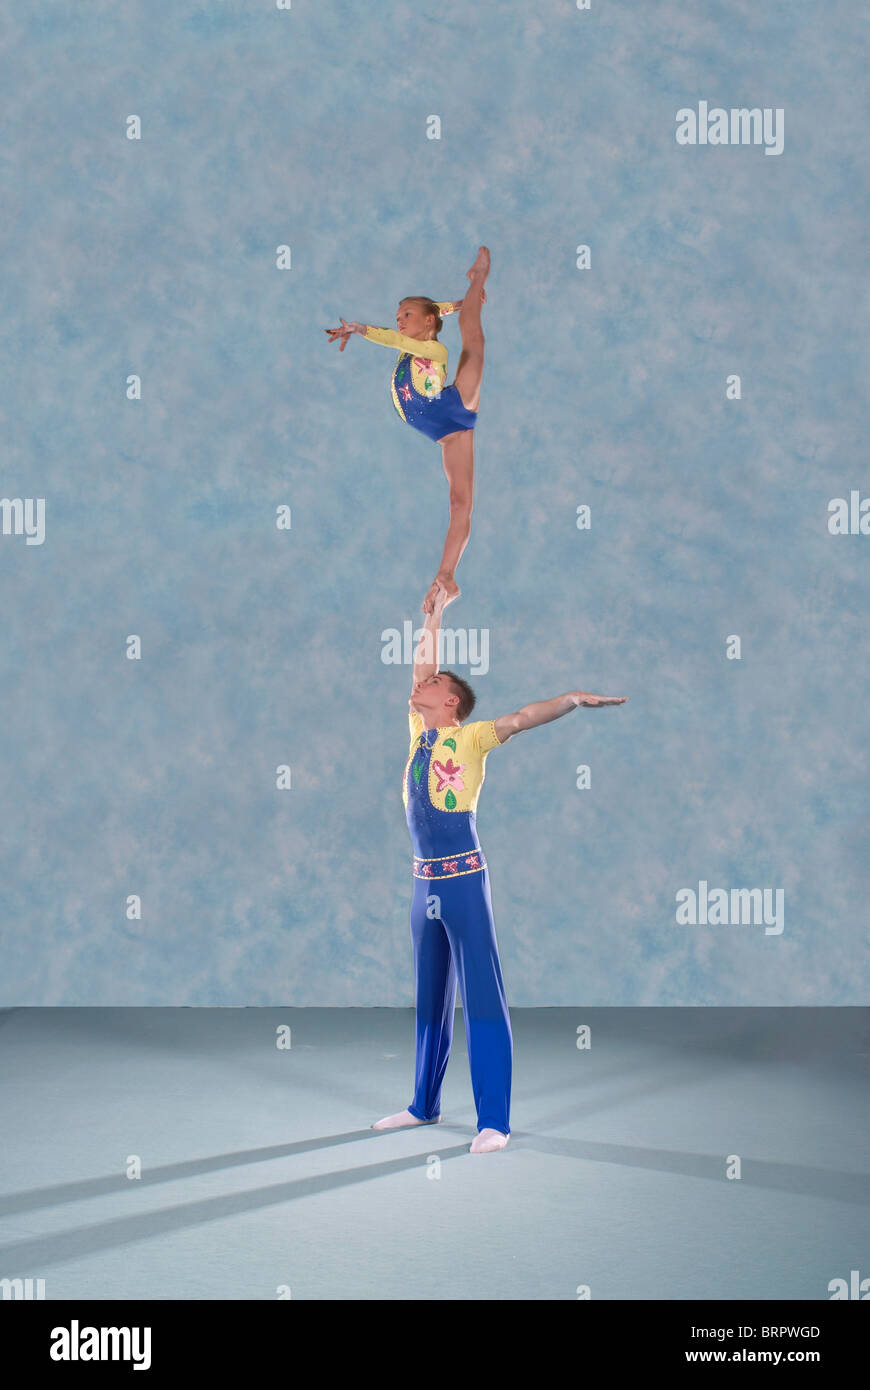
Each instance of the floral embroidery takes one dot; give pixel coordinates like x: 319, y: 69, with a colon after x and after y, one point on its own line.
x: 450, y: 801
x: 432, y: 381
x: 405, y: 392
x: 449, y: 775
x: 449, y: 868
x: 450, y: 743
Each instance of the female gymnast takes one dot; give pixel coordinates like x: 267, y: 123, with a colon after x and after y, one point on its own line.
x: 445, y: 414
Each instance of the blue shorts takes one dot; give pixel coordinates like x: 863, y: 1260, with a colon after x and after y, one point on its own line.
x: 444, y: 414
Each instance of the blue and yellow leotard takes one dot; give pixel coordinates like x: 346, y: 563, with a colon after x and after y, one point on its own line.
x: 441, y: 787
x: 419, y: 394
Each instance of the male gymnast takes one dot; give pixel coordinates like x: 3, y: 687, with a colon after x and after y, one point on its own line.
x: 452, y: 926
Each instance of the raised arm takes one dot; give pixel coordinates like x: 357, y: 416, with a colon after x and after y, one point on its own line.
x: 545, y: 711
x: 426, y: 654
x: 452, y: 306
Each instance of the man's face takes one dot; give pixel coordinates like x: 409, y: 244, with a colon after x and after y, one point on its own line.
x: 430, y: 694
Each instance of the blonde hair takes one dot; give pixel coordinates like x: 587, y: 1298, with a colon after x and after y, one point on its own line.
x: 428, y: 306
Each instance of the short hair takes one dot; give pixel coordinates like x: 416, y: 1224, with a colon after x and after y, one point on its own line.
x: 467, y: 697
x: 428, y: 306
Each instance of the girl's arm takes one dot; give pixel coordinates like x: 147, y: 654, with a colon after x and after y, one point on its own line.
x: 452, y: 306
x: 420, y: 347
x: 430, y: 348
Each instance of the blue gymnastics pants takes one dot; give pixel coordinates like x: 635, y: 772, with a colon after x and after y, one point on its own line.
x: 453, y: 933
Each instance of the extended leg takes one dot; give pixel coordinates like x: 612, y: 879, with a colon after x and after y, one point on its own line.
x: 469, y: 922
x: 469, y: 373
x: 435, y: 986
x: 435, y: 983
x: 457, y: 452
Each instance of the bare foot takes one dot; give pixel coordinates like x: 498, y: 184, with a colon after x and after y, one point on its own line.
x: 488, y: 1140
x: 481, y: 264
x: 403, y: 1118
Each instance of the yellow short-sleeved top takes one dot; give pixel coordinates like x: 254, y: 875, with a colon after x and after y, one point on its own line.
x: 441, y: 786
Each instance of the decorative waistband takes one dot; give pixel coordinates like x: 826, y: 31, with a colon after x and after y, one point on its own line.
x: 451, y: 866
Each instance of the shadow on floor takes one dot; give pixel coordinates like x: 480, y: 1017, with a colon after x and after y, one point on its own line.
x: 123, y: 1230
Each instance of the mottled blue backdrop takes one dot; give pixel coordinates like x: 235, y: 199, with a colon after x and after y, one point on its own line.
x: 307, y: 127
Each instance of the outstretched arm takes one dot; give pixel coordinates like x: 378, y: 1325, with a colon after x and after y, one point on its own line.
x: 545, y: 711
x: 388, y: 337
x: 420, y: 347
x: 429, y: 348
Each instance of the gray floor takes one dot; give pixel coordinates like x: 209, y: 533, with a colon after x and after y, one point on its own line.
x: 260, y: 1171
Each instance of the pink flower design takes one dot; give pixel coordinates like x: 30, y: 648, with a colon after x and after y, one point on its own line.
x: 448, y: 775
x: 473, y: 862
x: 426, y: 870
x: 432, y: 382
x: 405, y: 392
x: 451, y: 866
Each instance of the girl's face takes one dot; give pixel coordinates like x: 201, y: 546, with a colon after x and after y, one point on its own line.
x: 411, y: 320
